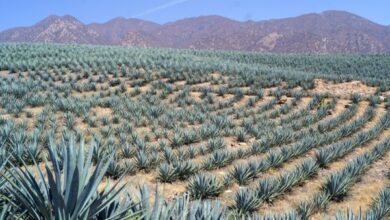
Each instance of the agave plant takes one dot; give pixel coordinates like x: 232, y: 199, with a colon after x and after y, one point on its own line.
x: 177, y: 139
x: 380, y: 209
x: 128, y: 150
x: 167, y: 173
x: 191, y: 152
x: 275, y: 158
x: 241, y: 135
x: 355, y: 98
x: 115, y: 169
x: 169, y: 155
x: 33, y: 149
x: 243, y: 174
x: 215, y: 144
x: 129, y: 167
x: 185, y: 168
x: 179, y: 208
x: 246, y: 201
x: 218, y: 159
x: 69, y: 120
x: 71, y: 194
x: 307, y: 208
x: 140, y: 143
x: 259, y: 147
x: 17, y: 145
x: 146, y: 161
x: 99, y: 149
x: 212, y: 210
x: 203, y: 186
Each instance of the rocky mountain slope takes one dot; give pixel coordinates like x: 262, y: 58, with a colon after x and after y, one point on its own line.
x: 327, y: 32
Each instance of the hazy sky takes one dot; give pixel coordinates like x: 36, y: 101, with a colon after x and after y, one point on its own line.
x: 27, y: 12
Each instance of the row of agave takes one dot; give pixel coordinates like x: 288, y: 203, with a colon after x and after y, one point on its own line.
x: 380, y: 209
x: 338, y: 183
x: 286, y: 134
x: 247, y: 69
x: 316, y: 99
x: 140, y: 156
x: 267, y: 189
x: 305, y: 121
x: 325, y: 155
x: 262, y: 127
x: 287, y: 107
x: 106, y: 131
x: 150, y: 161
x: 249, y: 127
x: 330, y: 124
x: 244, y: 110
x: 284, y: 109
x: 147, y: 157
x: 71, y: 186
x: 217, y: 159
x: 75, y: 171
x: 69, y: 104
x: 277, y: 157
x: 206, y: 186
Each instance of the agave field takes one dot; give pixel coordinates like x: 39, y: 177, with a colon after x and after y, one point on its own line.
x: 98, y: 132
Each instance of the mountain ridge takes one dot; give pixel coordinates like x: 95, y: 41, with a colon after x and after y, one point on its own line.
x: 326, y: 32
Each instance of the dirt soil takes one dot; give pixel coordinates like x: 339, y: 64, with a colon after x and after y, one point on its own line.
x: 343, y: 89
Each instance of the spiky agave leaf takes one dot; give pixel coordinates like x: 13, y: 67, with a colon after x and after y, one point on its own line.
x: 33, y: 149
x: 212, y: 210
x: 380, y: 209
x: 307, y: 208
x: 290, y: 215
x: 180, y: 208
x: 350, y: 215
x: 70, y: 194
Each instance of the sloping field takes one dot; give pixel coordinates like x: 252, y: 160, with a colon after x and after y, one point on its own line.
x: 224, y: 135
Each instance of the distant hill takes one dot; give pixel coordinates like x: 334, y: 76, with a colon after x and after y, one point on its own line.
x: 327, y: 32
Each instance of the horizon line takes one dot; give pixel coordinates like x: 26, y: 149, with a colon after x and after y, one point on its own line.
x: 184, y: 18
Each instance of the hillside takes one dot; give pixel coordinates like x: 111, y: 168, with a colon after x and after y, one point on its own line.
x: 196, y: 133
x: 327, y: 32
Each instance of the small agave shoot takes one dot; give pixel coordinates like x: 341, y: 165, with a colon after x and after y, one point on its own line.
x: 70, y: 193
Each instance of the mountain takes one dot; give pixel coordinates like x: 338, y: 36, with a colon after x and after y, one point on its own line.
x: 53, y: 29
x: 330, y: 31
x: 116, y: 30
x: 327, y: 32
